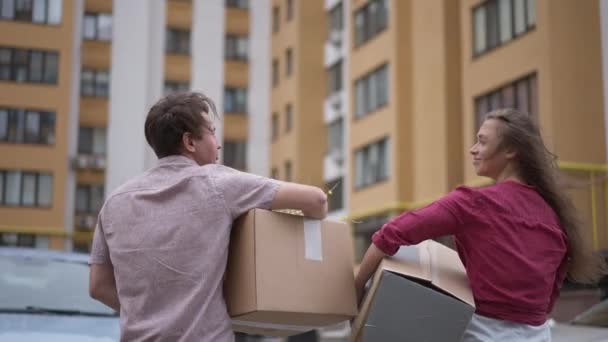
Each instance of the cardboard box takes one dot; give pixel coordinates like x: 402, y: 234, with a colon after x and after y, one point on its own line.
x: 420, y: 294
x: 288, y: 274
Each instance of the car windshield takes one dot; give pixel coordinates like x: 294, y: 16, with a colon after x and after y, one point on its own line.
x: 46, y: 285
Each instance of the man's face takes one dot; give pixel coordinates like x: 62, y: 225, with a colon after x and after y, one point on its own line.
x: 206, y: 148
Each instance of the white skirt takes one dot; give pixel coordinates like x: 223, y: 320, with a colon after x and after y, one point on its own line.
x: 484, y: 329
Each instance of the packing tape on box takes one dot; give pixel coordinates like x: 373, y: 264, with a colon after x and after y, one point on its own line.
x: 273, y: 326
x: 313, y: 246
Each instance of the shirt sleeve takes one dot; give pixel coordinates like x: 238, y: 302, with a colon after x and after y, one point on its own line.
x: 100, y: 253
x: 244, y: 191
x: 562, y: 271
x: 449, y: 215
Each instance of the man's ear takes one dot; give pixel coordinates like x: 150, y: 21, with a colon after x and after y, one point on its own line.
x: 188, y: 142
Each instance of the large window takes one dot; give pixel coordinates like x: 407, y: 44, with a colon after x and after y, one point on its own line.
x: 89, y: 198
x: 371, y: 91
x: 235, y: 153
x: 521, y: 94
x: 28, y: 66
x: 26, y: 188
x: 178, y: 41
x: 289, y: 9
x: 275, y: 126
x: 370, y: 20
x: 94, y: 83
x: 276, y: 18
x: 372, y: 164
x: 334, y: 78
x: 92, y: 141
x: 335, y: 199
x: 236, y: 47
x: 275, y: 72
x: 288, y: 117
x: 242, y: 4
x: 335, y: 137
x: 235, y: 100
x: 336, y: 21
x: 34, y: 11
x: 288, y: 62
x: 175, y: 87
x: 26, y: 126
x: 97, y: 26
x: 496, y: 22
x: 288, y: 171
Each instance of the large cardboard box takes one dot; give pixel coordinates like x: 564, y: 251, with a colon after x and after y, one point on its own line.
x: 288, y: 274
x: 420, y: 294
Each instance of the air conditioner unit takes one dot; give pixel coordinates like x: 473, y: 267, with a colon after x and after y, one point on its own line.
x: 99, y: 162
x: 336, y: 103
x: 80, y: 161
x: 337, y: 156
x: 335, y: 38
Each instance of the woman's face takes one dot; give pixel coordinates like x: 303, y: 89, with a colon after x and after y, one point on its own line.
x: 489, y: 158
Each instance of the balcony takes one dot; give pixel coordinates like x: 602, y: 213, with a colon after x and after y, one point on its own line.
x: 89, y: 162
x: 335, y: 106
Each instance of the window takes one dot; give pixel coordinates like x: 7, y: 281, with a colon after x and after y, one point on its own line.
x: 175, y: 87
x: 496, y: 22
x: 334, y: 78
x: 276, y: 17
x: 288, y: 117
x: 177, y: 41
x: 288, y: 62
x: 94, y: 83
x: 97, y: 26
x: 363, y: 231
x: 234, y: 153
x: 275, y: 73
x: 92, y: 141
x: 235, y: 100
x: 236, y: 47
x: 18, y: 240
x: 275, y: 126
x: 371, y: 91
x: 242, y: 4
x: 370, y: 20
x: 28, y: 66
x: 520, y: 94
x: 336, y: 22
x: 335, y: 200
x: 289, y: 8
x: 25, y: 126
x: 371, y: 164
x: 274, y: 173
x: 335, y: 137
x: 34, y: 11
x: 25, y: 188
x: 89, y: 198
x: 288, y: 171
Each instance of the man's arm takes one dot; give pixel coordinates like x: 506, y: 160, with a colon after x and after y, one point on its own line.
x: 102, y: 285
x: 310, y: 199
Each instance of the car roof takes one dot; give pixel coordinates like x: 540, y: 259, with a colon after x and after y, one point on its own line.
x: 44, y: 254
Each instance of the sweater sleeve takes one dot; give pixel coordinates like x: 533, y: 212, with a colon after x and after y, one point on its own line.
x: 447, y: 216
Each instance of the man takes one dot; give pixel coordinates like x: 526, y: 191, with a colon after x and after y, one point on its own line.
x: 161, y: 243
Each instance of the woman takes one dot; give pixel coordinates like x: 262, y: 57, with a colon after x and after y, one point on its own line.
x: 517, y: 239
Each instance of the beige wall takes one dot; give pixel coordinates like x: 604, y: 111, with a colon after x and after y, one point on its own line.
x: 305, y: 90
x: 54, y: 158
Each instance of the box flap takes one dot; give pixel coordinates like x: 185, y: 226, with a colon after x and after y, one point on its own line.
x: 448, y: 272
x: 413, y: 261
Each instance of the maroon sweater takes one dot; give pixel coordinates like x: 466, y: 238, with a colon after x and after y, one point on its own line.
x: 509, y: 240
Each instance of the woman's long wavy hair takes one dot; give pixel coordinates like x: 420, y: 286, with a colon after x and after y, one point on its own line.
x: 538, y: 167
